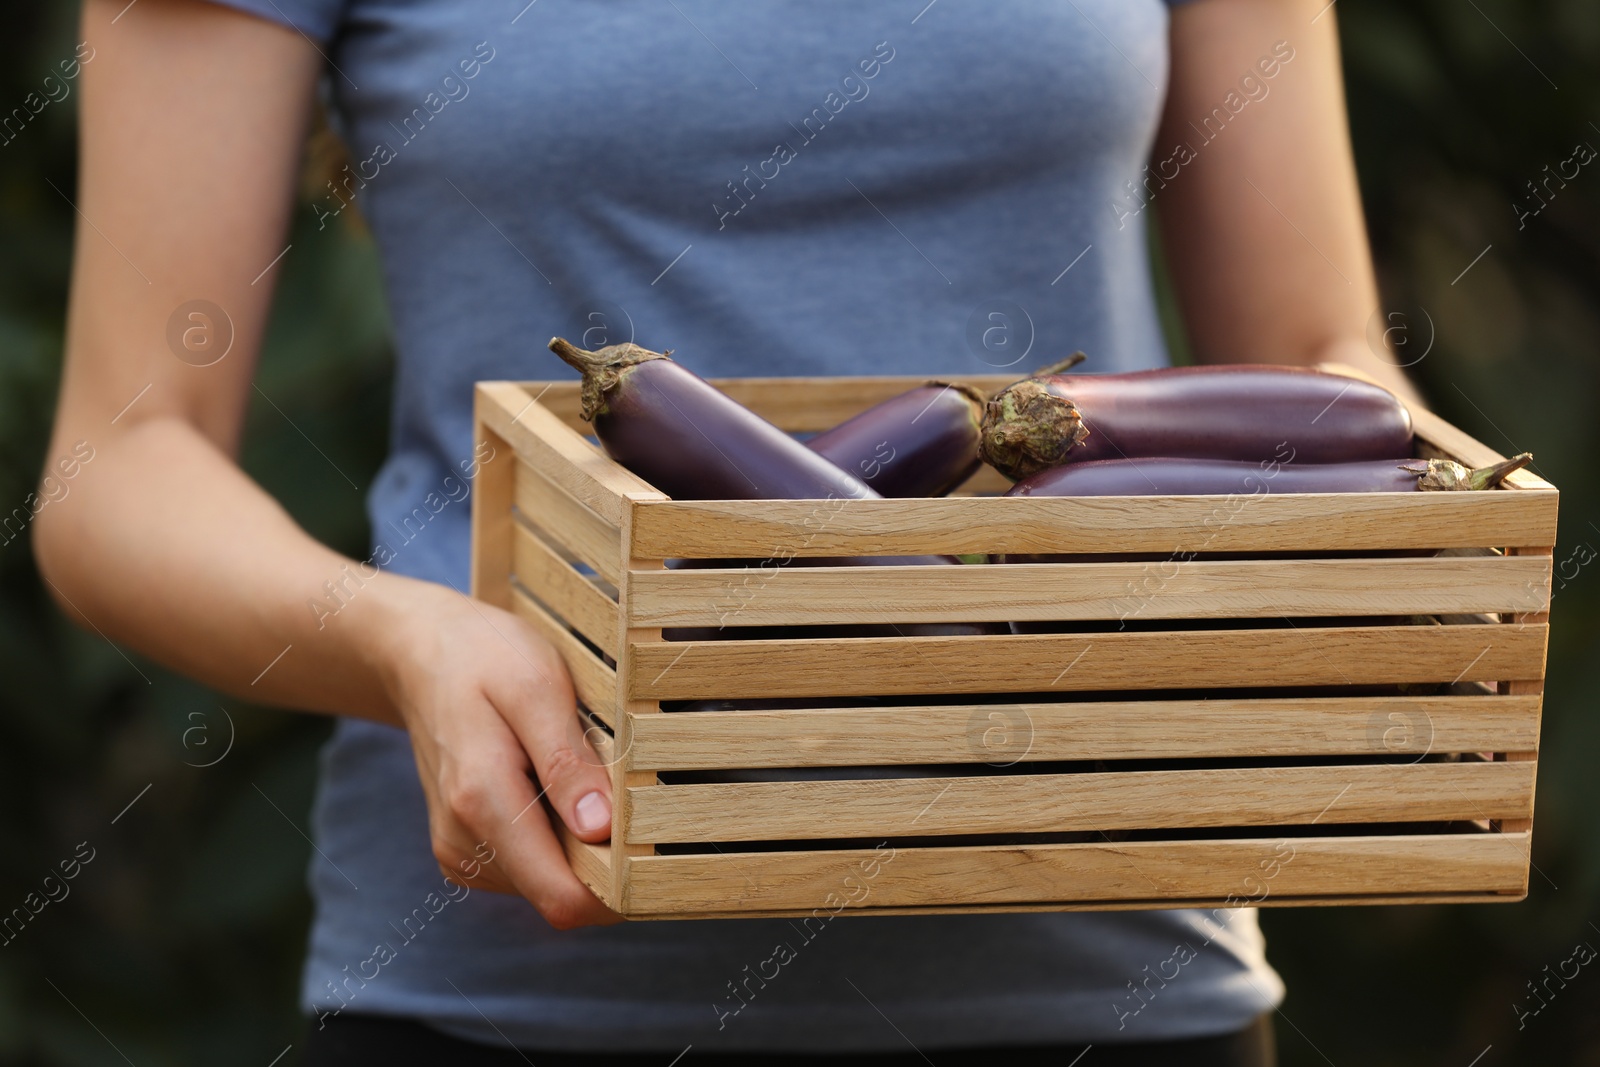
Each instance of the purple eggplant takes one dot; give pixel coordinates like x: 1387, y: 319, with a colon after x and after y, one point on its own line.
x: 923, y: 442
x: 1237, y: 412
x: 690, y: 440
x: 694, y: 442
x: 1167, y: 476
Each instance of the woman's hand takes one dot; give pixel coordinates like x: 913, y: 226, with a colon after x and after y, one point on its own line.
x: 486, y: 701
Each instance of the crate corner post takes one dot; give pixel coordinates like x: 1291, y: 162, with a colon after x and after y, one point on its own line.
x: 493, y: 490
x: 624, y: 777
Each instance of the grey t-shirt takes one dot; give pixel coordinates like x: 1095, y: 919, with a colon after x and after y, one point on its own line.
x: 797, y: 187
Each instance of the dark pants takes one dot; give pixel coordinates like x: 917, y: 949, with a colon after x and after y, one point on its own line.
x: 373, y: 1041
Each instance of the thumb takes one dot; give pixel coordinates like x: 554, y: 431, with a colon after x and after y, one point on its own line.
x: 571, y: 759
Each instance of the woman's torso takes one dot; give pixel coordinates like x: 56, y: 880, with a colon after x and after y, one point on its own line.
x: 788, y: 188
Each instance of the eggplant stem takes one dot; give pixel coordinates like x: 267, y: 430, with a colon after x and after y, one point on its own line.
x: 1060, y: 367
x: 1492, y: 475
x: 602, y: 371
x: 1446, y: 475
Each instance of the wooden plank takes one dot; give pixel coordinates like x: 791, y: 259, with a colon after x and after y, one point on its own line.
x: 569, y: 523
x: 1145, y: 872
x: 1527, y: 689
x: 1178, y: 659
x: 591, y: 863
x: 1196, y: 589
x: 626, y: 779
x: 984, y: 480
x: 492, y: 490
x: 1066, y: 803
x: 1299, y: 522
x: 594, y: 682
x: 547, y: 444
x: 1002, y: 734
x: 1282, y: 901
x: 572, y: 596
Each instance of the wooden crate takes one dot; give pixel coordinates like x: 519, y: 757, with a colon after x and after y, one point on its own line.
x: 1209, y: 785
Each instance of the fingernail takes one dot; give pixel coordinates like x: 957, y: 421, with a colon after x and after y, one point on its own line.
x: 594, y: 812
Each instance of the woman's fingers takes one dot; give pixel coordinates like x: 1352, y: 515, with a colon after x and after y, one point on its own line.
x: 491, y: 803
x: 574, y: 777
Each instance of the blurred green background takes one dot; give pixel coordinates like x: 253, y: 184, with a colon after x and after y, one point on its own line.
x: 181, y: 938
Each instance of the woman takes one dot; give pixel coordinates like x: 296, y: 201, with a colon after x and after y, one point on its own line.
x: 819, y: 188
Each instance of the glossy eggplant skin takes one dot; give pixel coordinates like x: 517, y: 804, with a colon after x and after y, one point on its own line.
x: 692, y: 441
x: 1168, y: 476
x: 1240, y: 412
x: 923, y: 442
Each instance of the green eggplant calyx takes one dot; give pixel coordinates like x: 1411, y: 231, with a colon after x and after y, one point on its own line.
x: 602, y: 371
x: 1027, y: 428
x: 1444, y: 475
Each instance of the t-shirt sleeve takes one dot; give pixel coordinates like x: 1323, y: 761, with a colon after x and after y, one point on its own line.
x: 317, y: 19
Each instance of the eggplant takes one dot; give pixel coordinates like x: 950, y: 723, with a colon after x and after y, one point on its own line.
x: 923, y: 442
x: 1238, y: 412
x: 689, y: 439
x: 1168, y: 476
x: 693, y: 442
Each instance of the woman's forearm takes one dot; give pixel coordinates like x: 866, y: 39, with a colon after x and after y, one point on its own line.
x: 164, y: 545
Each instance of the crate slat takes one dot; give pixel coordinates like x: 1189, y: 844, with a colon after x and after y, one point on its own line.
x: 1298, y: 522
x: 591, y: 863
x: 493, y: 488
x: 594, y: 682
x: 572, y: 596
x: 1177, y: 659
x: 1064, y: 803
x: 590, y: 537
x: 1197, y: 589
x: 1144, y: 729
x: 1143, y: 873
x: 546, y: 442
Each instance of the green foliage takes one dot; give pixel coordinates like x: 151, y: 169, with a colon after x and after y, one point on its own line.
x: 181, y: 939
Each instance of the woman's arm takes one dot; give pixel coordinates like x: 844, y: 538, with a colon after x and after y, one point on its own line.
x: 1261, y: 223
x: 193, y: 118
